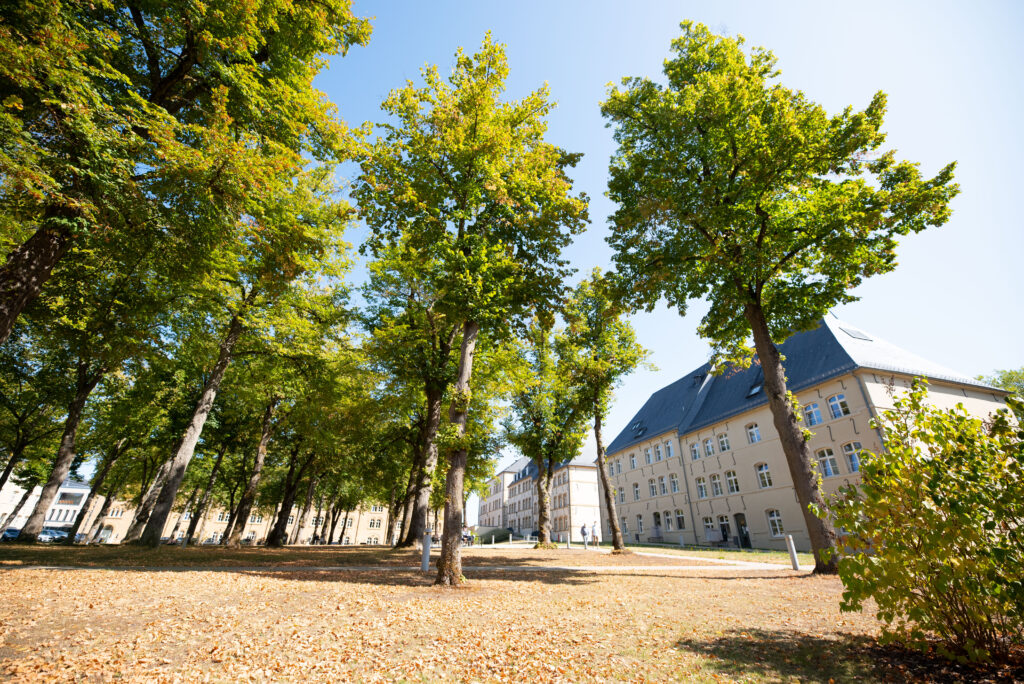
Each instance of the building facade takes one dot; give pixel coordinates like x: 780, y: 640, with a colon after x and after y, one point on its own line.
x: 493, y: 509
x: 701, y: 462
x: 65, y: 507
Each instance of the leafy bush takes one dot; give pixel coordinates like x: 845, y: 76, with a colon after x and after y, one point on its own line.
x: 935, y: 532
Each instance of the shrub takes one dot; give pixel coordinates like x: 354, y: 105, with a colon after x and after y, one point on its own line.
x: 935, y: 532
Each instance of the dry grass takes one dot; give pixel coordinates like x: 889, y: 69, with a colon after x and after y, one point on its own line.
x: 392, y: 625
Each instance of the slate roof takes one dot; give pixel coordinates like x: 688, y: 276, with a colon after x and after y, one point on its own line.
x: 832, y: 349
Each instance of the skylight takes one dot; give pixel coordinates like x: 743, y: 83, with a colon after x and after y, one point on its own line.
x: 856, y: 334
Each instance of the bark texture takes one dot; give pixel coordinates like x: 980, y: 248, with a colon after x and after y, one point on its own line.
x: 27, y: 268
x: 425, y: 475
x: 249, y: 493
x: 609, y: 496
x: 449, y: 564
x: 794, y: 445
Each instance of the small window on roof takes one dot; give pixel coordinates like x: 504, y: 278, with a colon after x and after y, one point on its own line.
x: 856, y: 334
x: 754, y: 389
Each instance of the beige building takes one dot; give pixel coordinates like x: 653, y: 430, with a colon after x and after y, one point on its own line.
x: 701, y: 462
x: 574, y: 498
x: 493, y: 509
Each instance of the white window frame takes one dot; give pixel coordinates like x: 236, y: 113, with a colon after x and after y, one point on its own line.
x: 828, y: 466
x: 680, y: 519
x: 732, y: 482
x: 753, y: 433
x: 694, y: 451
x: 852, y: 454
x: 622, y: 495
x: 662, y: 487
x: 647, y: 456
x: 652, y: 487
x: 812, y: 415
x: 636, y: 491
x: 775, y: 527
x: 657, y: 452
x: 668, y: 450
x: 639, y: 523
x: 837, y: 405
x: 716, y: 484
x: 632, y: 461
x: 702, y: 487
x: 667, y: 520
x: 709, y: 447
x: 673, y: 482
x: 723, y: 442
x: 764, y: 475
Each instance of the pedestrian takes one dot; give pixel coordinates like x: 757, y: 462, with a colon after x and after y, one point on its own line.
x: 593, y: 533
x: 583, y: 531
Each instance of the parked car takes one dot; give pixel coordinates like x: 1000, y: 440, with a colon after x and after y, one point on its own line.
x: 10, y: 534
x: 50, y: 534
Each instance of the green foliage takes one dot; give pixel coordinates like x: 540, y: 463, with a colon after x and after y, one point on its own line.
x: 1013, y: 382
x: 934, y: 533
x: 734, y: 188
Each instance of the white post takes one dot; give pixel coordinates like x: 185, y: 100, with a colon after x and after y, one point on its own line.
x: 425, y: 564
x: 492, y: 541
x: 568, y: 539
x: 792, y: 552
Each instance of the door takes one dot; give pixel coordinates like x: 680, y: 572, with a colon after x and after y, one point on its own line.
x: 741, y: 530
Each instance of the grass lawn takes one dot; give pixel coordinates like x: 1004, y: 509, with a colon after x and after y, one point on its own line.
x: 389, y: 624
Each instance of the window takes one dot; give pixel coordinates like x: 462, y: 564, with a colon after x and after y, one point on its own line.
x: 716, y: 485
x: 668, y: 521
x: 640, y: 523
x: 852, y: 451
x: 652, y: 488
x: 680, y: 519
x: 673, y: 480
x: 647, y: 456
x: 250, y: 536
x: 222, y: 516
x: 732, y: 482
x: 632, y: 461
x: 694, y: 451
x: 702, y: 488
x: 66, y: 499
x: 662, y: 488
x: 723, y: 442
x: 668, y: 450
x: 291, y: 519
x: 255, y: 518
x: 636, y: 491
x: 764, y: 476
x: 827, y: 463
x: 709, y: 525
x: 618, y: 467
x: 753, y: 433
x: 625, y: 525
x: 812, y: 414
x: 775, y: 523
x: 723, y: 525
x: 657, y: 453
x: 709, y: 447
x: 622, y: 495
x: 837, y: 406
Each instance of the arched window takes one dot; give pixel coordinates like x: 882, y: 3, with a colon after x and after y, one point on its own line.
x: 764, y: 476
x: 668, y: 449
x: 812, y: 414
x: 709, y: 447
x: 716, y: 485
x: 652, y: 488
x: 668, y: 521
x: 852, y: 451
x: 723, y: 442
x: 636, y: 491
x: 775, y: 523
x: 702, y: 488
x: 647, y: 456
x: 673, y: 480
x: 632, y: 461
x: 680, y: 519
x: 827, y: 465
x: 732, y: 483
x: 657, y: 453
x: 662, y: 488
x: 837, y: 406
x: 694, y: 451
x: 753, y: 433
x: 622, y: 495
x: 640, y: 523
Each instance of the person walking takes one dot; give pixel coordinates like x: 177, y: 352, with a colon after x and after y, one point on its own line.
x: 593, y: 534
x: 584, y: 532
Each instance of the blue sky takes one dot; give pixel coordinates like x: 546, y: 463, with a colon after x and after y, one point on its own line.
x: 951, y: 71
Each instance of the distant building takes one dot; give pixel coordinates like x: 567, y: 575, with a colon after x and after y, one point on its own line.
x: 65, y: 507
x: 573, y: 498
x: 701, y: 463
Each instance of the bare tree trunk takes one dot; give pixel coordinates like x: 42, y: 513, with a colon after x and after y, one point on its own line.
x: 96, y: 484
x: 301, y: 522
x: 14, y: 512
x: 232, y: 510
x: 794, y: 445
x: 249, y: 493
x: 187, y: 445
x: 393, y: 504
x: 200, y: 511
x: 407, y: 504
x: 65, y: 453
x: 325, y: 522
x: 145, y: 508
x: 449, y: 564
x: 28, y: 267
x: 334, y: 524
x: 609, y: 496
x: 97, y: 524
x: 544, y: 478
x: 425, y: 475
x: 279, y: 535
x: 184, y: 512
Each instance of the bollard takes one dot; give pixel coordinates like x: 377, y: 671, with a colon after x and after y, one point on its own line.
x: 425, y: 565
x: 567, y: 539
x: 792, y: 552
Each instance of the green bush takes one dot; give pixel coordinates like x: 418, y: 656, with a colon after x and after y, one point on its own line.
x: 935, y: 532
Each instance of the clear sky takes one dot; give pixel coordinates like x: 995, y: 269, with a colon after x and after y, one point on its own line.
x: 952, y: 74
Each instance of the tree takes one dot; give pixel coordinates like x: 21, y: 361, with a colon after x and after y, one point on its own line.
x: 598, y: 349
x: 175, y: 113
x: 1012, y: 381
x: 470, y: 181
x: 550, y: 418
x: 933, y: 532
x: 732, y: 187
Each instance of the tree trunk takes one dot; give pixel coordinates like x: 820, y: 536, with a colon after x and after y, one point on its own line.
x: 14, y: 512
x: 334, y: 524
x: 325, y: 522
x: 278, y: 536
x: 407, y: 504
x: 544, y: 478
x: 249, y: 493
x: 232, y: 509
x: 200, y: 510
x: 97, y: 524
x: 794, y: 445
x: 65, y: 454
x: 301, y: 522
x: 96, y: 484
x: 609, y: 496
x: 14, y: 460
x: 187, y: 445
x: 449, y: 564
x: 181, y: 516
x: 27, y: 268
x: 145, y: 508
x: 421, y: 504
x: 393, y: 504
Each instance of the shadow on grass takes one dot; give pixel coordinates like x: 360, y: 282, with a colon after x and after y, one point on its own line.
x: 783, y: 654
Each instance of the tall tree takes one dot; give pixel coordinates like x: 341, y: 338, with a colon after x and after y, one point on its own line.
x: 598, y: 349
x: 178, y: 112
x: 468, y: 179
x: 732, y: 187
